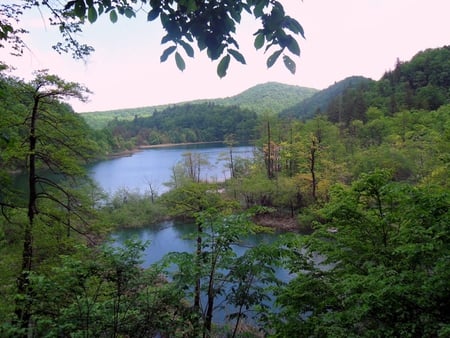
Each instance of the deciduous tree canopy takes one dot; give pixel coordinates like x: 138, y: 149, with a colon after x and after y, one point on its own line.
x: 209, y: 24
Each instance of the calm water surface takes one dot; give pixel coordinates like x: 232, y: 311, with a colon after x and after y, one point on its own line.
x: 155, y: 165
x: 171, y: 236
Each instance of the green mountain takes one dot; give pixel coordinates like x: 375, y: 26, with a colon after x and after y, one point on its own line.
x: 322, y: 99
x: 190, y: 122
x: 421, y: 83
x: 271, y: 97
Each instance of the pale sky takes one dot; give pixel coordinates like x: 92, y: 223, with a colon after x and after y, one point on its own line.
x: 343, y: 38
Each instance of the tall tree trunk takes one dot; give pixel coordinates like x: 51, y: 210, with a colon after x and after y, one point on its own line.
x: 23, y: 306
x: 232, y: 174
x: 312, y: 167
x: 269, y: 153
x: 211, y: 296
x: 197, y: 289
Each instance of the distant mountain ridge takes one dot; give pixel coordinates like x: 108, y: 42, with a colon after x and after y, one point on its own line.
x: 270, y: 98
x: 421, y: 83
x: 322, y: 99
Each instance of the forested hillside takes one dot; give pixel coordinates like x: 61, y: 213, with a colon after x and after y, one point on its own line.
x: 320, y: 101
x: 100, y: 119
x: 205, y: 122
x: 269, y: 98
x: 421, y: 83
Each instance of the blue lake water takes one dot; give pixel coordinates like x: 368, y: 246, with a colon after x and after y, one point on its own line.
x: 155, y: 166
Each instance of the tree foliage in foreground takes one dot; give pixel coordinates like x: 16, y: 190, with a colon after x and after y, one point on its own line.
x: 209, y: 24
x: 43, y: 138
x: 378, y: 265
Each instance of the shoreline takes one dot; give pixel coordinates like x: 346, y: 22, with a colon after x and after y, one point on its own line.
x: 152, y: 146
x: 163, y: 145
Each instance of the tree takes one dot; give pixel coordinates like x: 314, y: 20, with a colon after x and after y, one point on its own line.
x: 221, y: 274
x: 104, y: 291
x: 190, y: 200
x: 211, y: 24
x: 48, y: 145
x: 375, y: 266
x: 230, y: 141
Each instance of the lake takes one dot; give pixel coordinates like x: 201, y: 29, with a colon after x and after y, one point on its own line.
x: 154, y: 166
x: 172, y: 236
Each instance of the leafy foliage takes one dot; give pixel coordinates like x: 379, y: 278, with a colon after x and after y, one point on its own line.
x: 210, y: 24
x: 385, y: 258
x: 421, y: 83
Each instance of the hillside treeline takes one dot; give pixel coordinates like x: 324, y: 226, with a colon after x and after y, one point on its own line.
x: 421, y: 83
x: 205, y: 122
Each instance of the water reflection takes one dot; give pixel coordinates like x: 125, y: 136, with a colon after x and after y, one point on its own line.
x: 164, y: 237
x: 154, y: 166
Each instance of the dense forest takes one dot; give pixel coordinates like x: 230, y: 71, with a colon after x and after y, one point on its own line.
x: 205, y: 122
x: 269, y: 98
x: 355, y: 179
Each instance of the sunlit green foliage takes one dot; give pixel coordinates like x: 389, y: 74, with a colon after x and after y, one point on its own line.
x: 383, y: 268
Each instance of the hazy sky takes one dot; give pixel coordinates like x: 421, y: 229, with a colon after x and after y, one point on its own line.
x: 343, y: 38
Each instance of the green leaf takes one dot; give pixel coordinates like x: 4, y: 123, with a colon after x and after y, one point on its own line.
x: 289, y: 64
x: 92, y: 14
x: 238, y: 56
x: 167, y: 52
x: 273, y: 58
x: 222, y: 67
x: 187, y: 47
x: 129, y: 13
x: 165, y: 39
x: 101, y: 9
x: 294, y: 26
x: 191, y: 5
x: 180, y: 62
x: 80, y: 8
x: 236, y: 15
x: 293, y: 46
x: 258, y: 10
x: 259, y: 41
x: 152, y: 15
x: 113, y: 16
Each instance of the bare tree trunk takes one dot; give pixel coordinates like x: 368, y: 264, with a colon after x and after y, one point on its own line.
x: 312, y: 164
x: 269, y: 153
x: 211, y: 296
x: 232, y: 174
x: 23, y: 306
x: 197, y: 289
